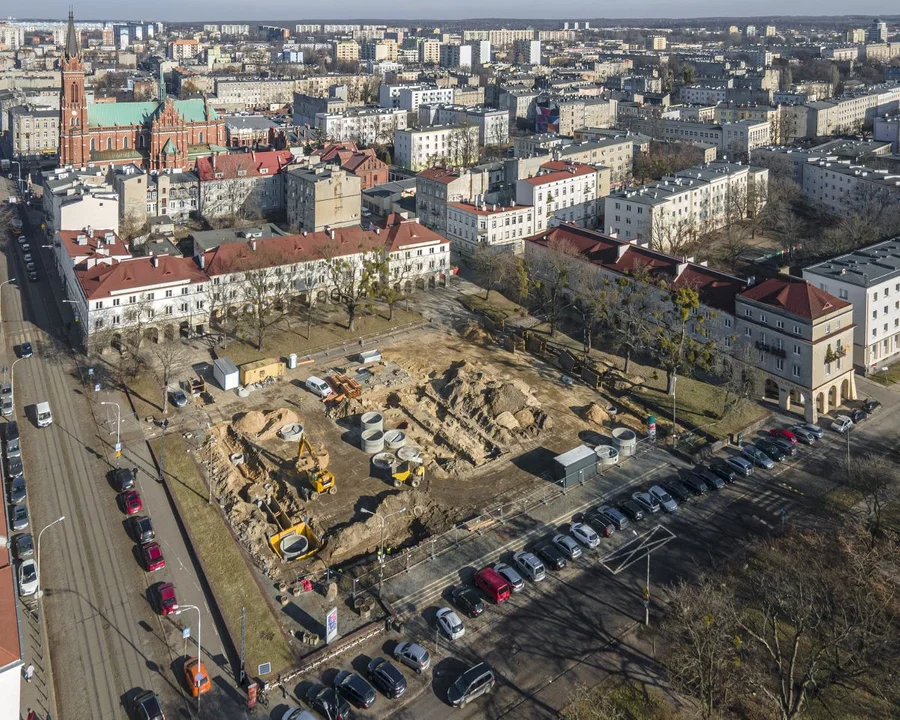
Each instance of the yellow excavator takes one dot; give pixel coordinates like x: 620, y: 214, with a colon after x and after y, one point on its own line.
x: 314, y: 466
x: 410, y: 472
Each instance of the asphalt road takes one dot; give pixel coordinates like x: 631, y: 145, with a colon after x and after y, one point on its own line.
x: 106, y: 640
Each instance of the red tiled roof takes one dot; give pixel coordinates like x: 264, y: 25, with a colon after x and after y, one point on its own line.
x: 95, y: 242
x: 441, y: 175
x: 253, y: 164
x: 717, y: 289
x: 330, y: 151
x: 103, y: 280
x: 352, y: 161
x: 795, y: 296
x: 560, y: 171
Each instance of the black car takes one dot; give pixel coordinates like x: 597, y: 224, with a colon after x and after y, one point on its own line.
x: 551, y: 555
x: 354, y: 688
x: 146, y: 707
x: 601, y: 523
x: 25, y: 350
x: 467, y: 600
x: 328, y: 703
x: 705, y: 475
x: 870, y: 405
x: 857, y: 415
x: 179, y: 399
x: 12, y: 431
x: 142, y: 529
x: 785, y: 445
x: 123, y: 478
x: 33, y: 276
x: 386, y: 677
x: 694, y: 484
x: 632, y: 510
x: 772, y: 450
x: 17, y: 490
x: 677, y: 490
x: 723, y: 471
x: 14, y: 467
x: 23, y: 545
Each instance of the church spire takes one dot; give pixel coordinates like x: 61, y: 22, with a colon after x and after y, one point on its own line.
x: 71, y: 38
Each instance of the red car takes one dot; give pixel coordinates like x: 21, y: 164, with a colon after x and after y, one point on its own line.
x: 131, y: 502
x: 785, y: 434
x: 166, y: 602
x: 153, y: 557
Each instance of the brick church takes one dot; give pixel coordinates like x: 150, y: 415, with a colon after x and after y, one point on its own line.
x: 157, y: 135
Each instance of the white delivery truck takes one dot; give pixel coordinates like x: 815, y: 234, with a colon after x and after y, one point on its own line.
x: 43, y: 414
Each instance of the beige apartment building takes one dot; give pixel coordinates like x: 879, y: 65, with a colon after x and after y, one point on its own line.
x: 322, y: 197
x: 346, y: 51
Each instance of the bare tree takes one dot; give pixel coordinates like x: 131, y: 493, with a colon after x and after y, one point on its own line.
x: 742, y: 380
x: 352, y: 279
x: 462, y: 146
x: 264, y: 290
x: 552, y: 271
x: 874, y: 477
x: 169, y: 359
x: 624, y: 308
x: 493, y: 268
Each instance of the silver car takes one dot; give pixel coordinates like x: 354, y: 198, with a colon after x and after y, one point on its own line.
x: 19, y: 517
x: 450, y: 624
x: 664, y: 499
x: 413, y: 656
x: 510, y: 575
x: 648, y: 503
x: 529, y: 565
x: 567, y: 545
x: 757, y: 456
x: 585, y: 534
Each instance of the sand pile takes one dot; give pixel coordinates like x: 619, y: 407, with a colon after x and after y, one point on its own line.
x: 595, y: 414
x: 257, y: 425
x: 474, y: 333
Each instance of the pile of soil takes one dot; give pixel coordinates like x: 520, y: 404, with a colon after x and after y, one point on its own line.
x: 595, y: 414
x: 474, y: 333
x: 261, y: 426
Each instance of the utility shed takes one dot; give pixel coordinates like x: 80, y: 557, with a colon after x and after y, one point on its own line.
x: 225, y: 373
x: 575, y: 465
x: 259, y: 370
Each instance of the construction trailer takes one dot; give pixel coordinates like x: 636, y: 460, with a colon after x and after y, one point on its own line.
x: 261, y: 370
x: 575, y: 466
x: 225, y: 373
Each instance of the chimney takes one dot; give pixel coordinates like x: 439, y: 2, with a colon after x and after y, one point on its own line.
x: 253, y: 245
x: 155, y: 261
x: 621, y: 250
x: 201, y: 261
x: 89, y: 231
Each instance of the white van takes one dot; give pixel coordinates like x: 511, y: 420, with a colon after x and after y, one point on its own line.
x: 318, y: 386
x: 43, y: 414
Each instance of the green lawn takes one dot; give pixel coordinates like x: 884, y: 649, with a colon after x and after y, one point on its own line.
x: 226, y: 568
x: 889, y: 377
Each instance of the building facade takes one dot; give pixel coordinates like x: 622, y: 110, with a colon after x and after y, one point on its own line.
x: 321, y: 197
x: 443, y: 144
x: 473, y: 226
x: 561, y: 192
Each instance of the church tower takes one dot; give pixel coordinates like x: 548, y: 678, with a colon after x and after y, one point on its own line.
x: 74, y: 146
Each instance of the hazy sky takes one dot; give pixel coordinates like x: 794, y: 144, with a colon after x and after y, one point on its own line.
x: 263, y: 10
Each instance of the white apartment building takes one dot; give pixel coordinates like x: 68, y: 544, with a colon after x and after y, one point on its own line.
x: 840, y: 188
x: 561, y: 192
x: 410, y: 97
x: 887, y: 129
x: 731, y: 139
x: 848, y: 112
x: 471, y: 226
x: 345, y: 51
x: 417, y: 149
x: 365, y: 127
x: 527, y: 52
x: 481, y: 52
x: 869, y: 279
x: 492, y: 124
x: 456, y: 56
x: 255, y: 93
x: 235, y: 29
x: 703, y: 94
x: 694, y: 201
x: 437, y: 187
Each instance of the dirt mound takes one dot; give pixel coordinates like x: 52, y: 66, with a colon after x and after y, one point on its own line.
x: 258, y: 425
x: 505, y: 399
x: 474, y: 333
x: 595, y: 414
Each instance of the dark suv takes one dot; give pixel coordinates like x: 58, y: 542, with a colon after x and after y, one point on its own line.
x: 473, y: 683
x: 386, y: 677
x: 354, y: 688
x: 142, y: 529
x: 123, y: 478
x: 467, y: 600
x: 146, y: 707
x: 552, y: 557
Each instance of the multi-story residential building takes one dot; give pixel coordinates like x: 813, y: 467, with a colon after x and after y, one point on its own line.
x: 844, y: 189
x: 467, y: 95
x: 235, y: 30
x: 657, y: 42
x: 410, y: 97
x: 429, y: 52
x: 364, y: 127
x: 499, y: 38
x: 877, y: 32
x: 242, y: 184
x: 887, y: 129
x: 258, y: 93
x: 737, y: 140
x: 12, y: 37
x: 471, y: 226
x: 856, y: 36
x: 380, y: 51
x: 869, y: 279
x: 614, y: 153
x: 566, y: 192
x: 251, y: 131
x: 527, y: 52
x: 481, y: 52
x: 322, y: 197
x: 703, y: 94
x: 690, y: 203
x: 456, y: 56
x: 145, y: 196
x: 437, y: 187
x: 416, y: 149
x: 576, y: 113
x: 306, y: 107
x: 74, y: 199
x: 847, y: 113
x: 363, y: 163
x: 492, y: 124
x: 33, y: 133
x: 184, y: 49
x: 346, y: 51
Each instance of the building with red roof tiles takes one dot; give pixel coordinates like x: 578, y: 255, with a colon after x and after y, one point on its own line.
x: 565, y: 191
x: 242, y: 184
x: 472, y: 226
x: 347, y: 156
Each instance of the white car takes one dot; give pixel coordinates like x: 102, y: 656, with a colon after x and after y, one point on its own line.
x: 28, y: 578
x: 842, y: 424
x: 664, y: 499
x: 586, y: 535
x: 567, y: 546
x: 529, y: 566
x: 450, y: 623
x: 646, y: 502
x: 511, y: 576
x: 318, y: 386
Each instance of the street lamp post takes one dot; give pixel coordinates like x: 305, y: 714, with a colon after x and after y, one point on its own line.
x: 118, y: 429
x: 383, y: 519
x: 12, y: 376
x: 180, y: 610
x: 39, y: 593
x: 18, y: 173
x: 5, y: 282
x: 674, y: 419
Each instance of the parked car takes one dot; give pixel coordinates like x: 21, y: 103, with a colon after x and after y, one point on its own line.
x: 33, y: 277
x: 529, y: 565
x: 319, y: 387
x: 28, y: 578
x: 551, y: 555
x: 871, y: 405
x: 771, y: 449
x: 448, y: 621
x: 196, y: 677
x: 726, y: 472
x: 131, y: 502
x: 14, y: 467
x: 666, y: 501
x: 179, y: 398
x: 508, y: 573
x: 757, y: 456
x: 741, y: 465
x: 25, y: 350
x: 123, y: 478
x: 647, y: 502
x: 298, y: 714
x: 803, y: 435
x: 632, y: 510
x: 153, y: 557
x: 467, y: 600
x: 146, y: 707
x: 816, y: 430
x: 23, y: 545
x: 585, y: 534
x: 857, y: 415
x: 785, y: 445
x: 142, y: 529
x: 164, y: 598
x: 17, y: 491
x: 492, y: 584
x: 12, y: 431
x: 6, y: 400
x: 478, y: 680
x: 413, y: 656
x: 355, y: 689
x: 567, y: 546
x: 601, y: 523
x: 677, y: 490
x: 842, y: 423
x: 328, y: 702
x: 19, y: 517
x: 386, y: 677
x: 705, y: 475
x: 696, y: 486
x: 13, y: 449
x: 783, y: 433
x: 615, y: 517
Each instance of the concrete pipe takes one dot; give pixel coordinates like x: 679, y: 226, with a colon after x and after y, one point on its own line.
x: 606, y: 455
x: 372, y: 441
x: 409, y: 453
x: 371, y: 421
x: 395, y: 439
x: 625, y: 440
x: 293, y: 546
x: 383, y: 464
x: 291, y: 432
